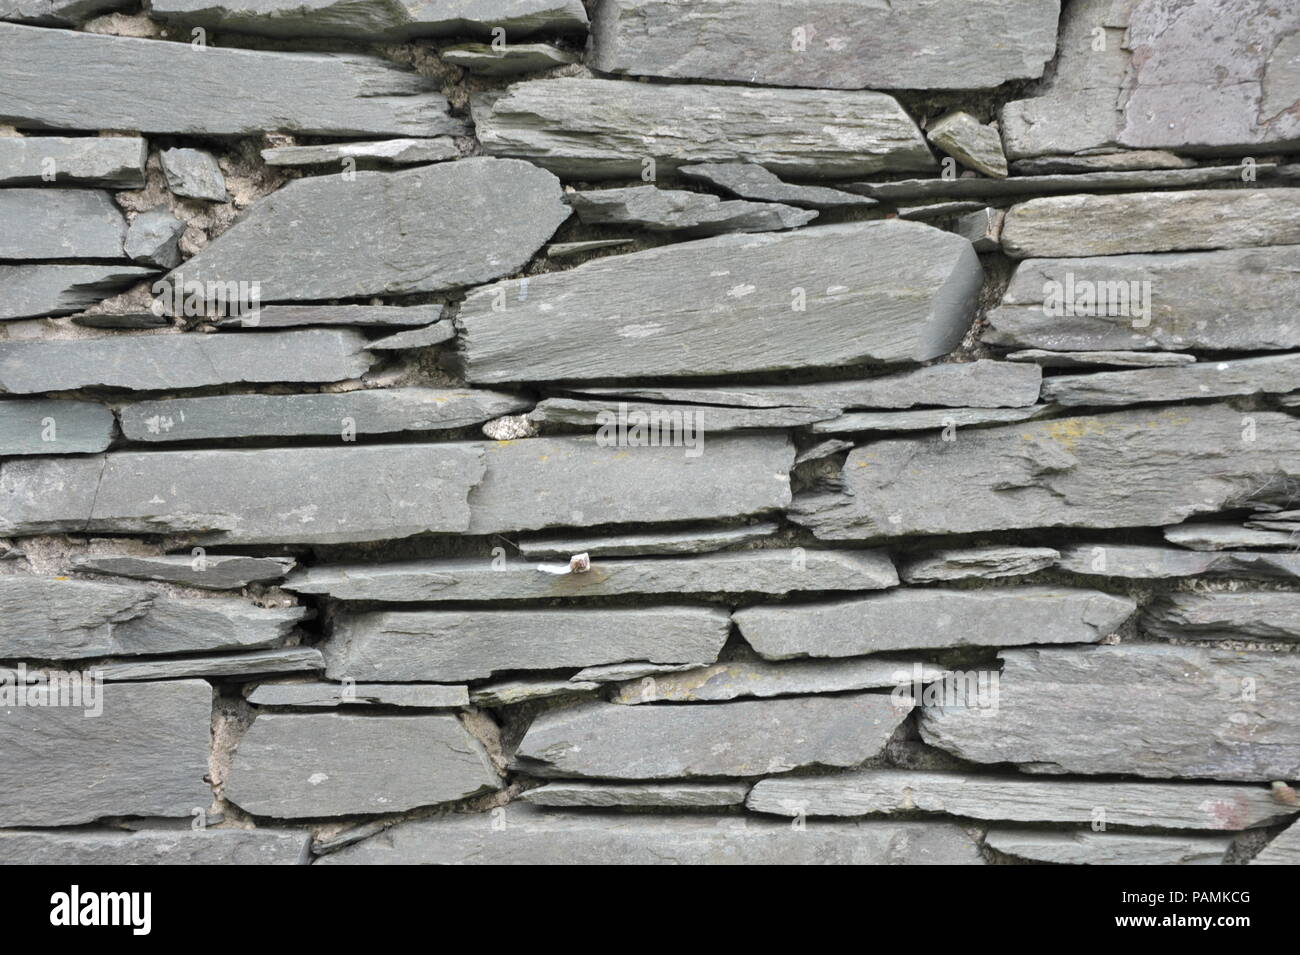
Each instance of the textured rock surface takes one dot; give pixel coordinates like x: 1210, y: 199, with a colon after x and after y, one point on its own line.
x: 145, y: 755
x: 449, y: 646
x: 933, y: 617
x: 597, y: 129
x: 666, y: 795
x: 908, y: 296
x: 1283, y: 850
x: 597, y: 412
x: 330, y: 764
x: 1142, y: 562
x: 156, y: 847
x: 42, y: 426
x: 231, y: 665
x: 391, y: 233
x: 535, y: 837
x: 1084, y: 847
x: 913, y: 45
x: 35, y: 290
x: 972, y: 144
x: 329, y: 695
x: 210, y: 572
x: 1021, y: 799
x: 676, y: 210
x: 1105, y: 359
x: 669, y: 742
x: 159, y: 87
x: 434, y: 334
x: 112, y: 161
x: 1248, y: 376
x: 962, y: 563
x: 924, y: 419
x: 1240, y: 615
x: 1214, y: 536
x: 751, y: 181
x: 1153, y: 711
x: 486, y: 60
x: 153, y: 238
x: 284, y: 316
x: 631, y: 545
x: 60, y: 224
x: 1060, y: 472
x: 193, y: 174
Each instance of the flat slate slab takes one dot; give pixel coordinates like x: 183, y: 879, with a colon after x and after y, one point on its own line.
x: 1229, y: 300
x: 115, y: 162
x: 657, y: 795
x: 330, y: 695
x: 1085, y: 847
x: 1235, y: 615
x: 1210, y: 379
x: 1152, y: 222
x: 182, y: 360
x: 680, y: 211
x: 388, y: 152
x: 1151, y: 710
x: 682, y: 741
x: 484, y: 59
x: 224, y: 666
x: 145, y: 754
x: 378, y: 411
x: 526, y: 689
x: 1104, y: 359
x: 451, y: 646
x: 966, y: 562
x: 53, y: 618
x: 389, y: 233
x: 606, y: 129
x: 754, y: 571
x: 47, y: 426
x: 60, y: 224
x: 1063, y: 472
x: 284, y: 316
x: 265, y: 496
x: 751, y: 181
x: 550, y: 838
x: 1001, y: 798
x: 873, y: 291
x: 933, y: 617
x: 92, y: 81
x: 825, y: 44
x: 925, y: 419
x: 329, y: 764
x: 210, y: 572
x: 1212, y: 536
x: 594, y: 412
x: 1141, y: 562
x: 700, y: 541
x: 34, y: 291
x: 187, y: 846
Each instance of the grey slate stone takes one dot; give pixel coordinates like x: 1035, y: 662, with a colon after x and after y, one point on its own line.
x: 207, y: 571
x: 875, y: 291
x: 967, y: 562
x: 1122, y: 161
x: 1085, y: 847
x: 1021, y: 799
x: 115, y: 162
x: 982, y: 228
x: 967, y: 140
x: 933, y: 617
x: 627, y: 670
x: 193, y: 174
x: 974, y: 384
x: 940, y: 210
x: 438, y: 241
x: 156, y: 86
x: 1056, y: 473
x: 186, y: 360
x: 434, y: 334
x: 266, y: 496
x: 1238, y: 615
x: 329, y: 764
x: 450, y: 646
x: 1215, y: 536
x: 606, y: 129
x: 669, y: 742
x: 1143, y: 563
x: 329, y: 695
x: 1211, y: 379
x: 120, y: 320
x: 153, y: 238
x: 145, y: 755
x: 378, y: 19
x: 751, y: 181
x: 925, y: 419
x: 395, y: 152
x: 541, y: 483
x: 563, y: 250
x: 284, y: 316
x: 758, y: 571
x: 704, y: 418
x: 1283, y: 850
x: 33, y: 291
x: 60, y: 224
x: 1111, y: 359
x: 63, y: 12
x: 71, y: 427
x: 1152, y: 222
x: 640, y: 795
x: 536, y: 837
x: 822, y: 450
x: 701, y: 541
x: 226, y: 665
x: 59, y: 619
x: 694, y: 214
x: 156, y: 847
x: 373, y: 411
x: 483, y: 59
x: 1237, y: 299
x: 1153, y: 710
x: 847, y: 45
x: 527, y: 689
x: 746, y: 678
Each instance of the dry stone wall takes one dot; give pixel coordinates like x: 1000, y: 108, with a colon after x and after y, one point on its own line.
x: 690, y: 431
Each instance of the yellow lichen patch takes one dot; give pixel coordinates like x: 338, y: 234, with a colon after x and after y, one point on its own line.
x: 1067, y: 432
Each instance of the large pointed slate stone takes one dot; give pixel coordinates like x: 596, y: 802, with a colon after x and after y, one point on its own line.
x: 156, y: 847
x: 74, y: 80
x: 1151, y: 710
x: 826, y: 44
x: 603, y: 129
x: 387, y: 233
x: 60, y: 224
x: 872, y: 291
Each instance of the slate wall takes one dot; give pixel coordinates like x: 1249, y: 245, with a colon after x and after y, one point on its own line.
x: 723, y: 431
